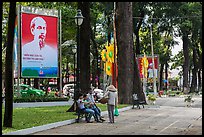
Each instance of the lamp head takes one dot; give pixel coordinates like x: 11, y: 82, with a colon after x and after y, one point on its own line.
x: 79, y: 18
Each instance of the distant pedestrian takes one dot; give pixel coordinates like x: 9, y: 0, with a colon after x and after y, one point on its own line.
x: 49, y: 89
x: 112, y: 101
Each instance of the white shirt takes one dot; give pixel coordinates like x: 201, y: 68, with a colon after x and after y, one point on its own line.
x: 80, y: 103
x: 112, y: 97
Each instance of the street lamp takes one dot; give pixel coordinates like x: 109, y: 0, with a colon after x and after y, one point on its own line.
x: 154, y: 73
x: 74, y: 50
x: 78, y: 20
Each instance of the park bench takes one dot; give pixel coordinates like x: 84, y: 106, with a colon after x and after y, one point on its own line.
x: 80, y: 114
x: 137, y: 102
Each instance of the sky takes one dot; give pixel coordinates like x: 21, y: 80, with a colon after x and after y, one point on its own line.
x: 175, y: 51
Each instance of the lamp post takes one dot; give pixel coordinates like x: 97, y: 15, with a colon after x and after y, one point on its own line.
x: 74, y: 50
x: 154, y: 75
x: 78, y: 21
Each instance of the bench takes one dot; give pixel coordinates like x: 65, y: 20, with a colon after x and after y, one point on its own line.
x: 80, y: 115
x: 137, y: 102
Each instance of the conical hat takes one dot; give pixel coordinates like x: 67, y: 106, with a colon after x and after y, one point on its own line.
x: 111, y: 88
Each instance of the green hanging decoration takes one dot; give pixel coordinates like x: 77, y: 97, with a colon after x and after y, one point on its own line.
x: 104, y: 54
x: 108, y: 68
x: 110, y: 54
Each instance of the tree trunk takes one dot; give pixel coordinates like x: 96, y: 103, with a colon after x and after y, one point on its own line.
x: 199, y: 80
x: 28, y: 82
x: 166, y: 74
x: 9, y: 67
x: 95, y: 70
x: 85, y: 47
x: 161, y: 76
x: 124, y: 37
x: 186, y: 61
x: 84, y: 56
x: 194, y: 72
x: 36, y: 83
x: 24, y: 81
x: 137, y: 84
x: 136, y: 31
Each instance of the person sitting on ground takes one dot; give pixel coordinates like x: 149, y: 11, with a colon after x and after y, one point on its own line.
x: 92, y: 98
x: 81, y: 104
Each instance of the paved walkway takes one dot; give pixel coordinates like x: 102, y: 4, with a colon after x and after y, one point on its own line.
x: 151, y: 120
x: 169, y: 116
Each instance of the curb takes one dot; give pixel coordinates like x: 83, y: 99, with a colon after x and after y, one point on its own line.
x: 53, y: 125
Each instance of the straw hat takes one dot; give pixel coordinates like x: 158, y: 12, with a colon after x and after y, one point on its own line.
x: 111, y: 88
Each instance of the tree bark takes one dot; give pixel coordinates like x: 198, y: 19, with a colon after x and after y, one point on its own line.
x: 84, y: 56
x: 85, y: 47
x: 161, y: 76
x: 194, y: 72
x: 186, y: 60
x: 137, y: 84
x: 166, y: 74
x: 36, y: 83
x: 136, y: 31
x: 95, y: 67
x: 124, y: 36
x: 9, y: 68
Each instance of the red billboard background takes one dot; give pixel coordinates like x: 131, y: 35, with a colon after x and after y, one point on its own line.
x: 149, y: 58
x: 51, y: 35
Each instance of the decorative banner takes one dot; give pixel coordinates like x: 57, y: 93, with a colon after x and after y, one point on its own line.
x: 108, y: 68
x: 39, y: 50
x: 110, y: 53
x: 148, y: 60
x: 107, y: 55
x: 103, y: 55
x: 145, y: 65
x: 15, y: 50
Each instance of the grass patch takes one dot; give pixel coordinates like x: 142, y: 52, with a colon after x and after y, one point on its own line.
x: 36, y: 116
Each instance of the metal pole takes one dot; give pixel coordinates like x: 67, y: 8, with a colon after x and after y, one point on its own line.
x: 74, y: 78
x: 78, y: 62
x: 154, y: 76
x: 19, y: 48
x: 60, y: 92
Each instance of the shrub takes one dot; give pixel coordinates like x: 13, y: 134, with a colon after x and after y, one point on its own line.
x: 46, y: 98
x: 151, y: 97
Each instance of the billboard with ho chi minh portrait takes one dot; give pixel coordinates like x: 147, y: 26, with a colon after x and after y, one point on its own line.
x: 39, y: 45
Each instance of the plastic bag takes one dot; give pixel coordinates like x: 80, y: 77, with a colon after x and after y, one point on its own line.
x: 116, y: 112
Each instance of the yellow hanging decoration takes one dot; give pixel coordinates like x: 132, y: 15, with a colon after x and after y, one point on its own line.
x: 144, y: 64
x: 110, y: 53
x: 103, y: 55
x: 109, y: 68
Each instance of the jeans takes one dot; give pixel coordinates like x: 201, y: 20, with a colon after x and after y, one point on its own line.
x: 97, y: 112
x: 90, y: 113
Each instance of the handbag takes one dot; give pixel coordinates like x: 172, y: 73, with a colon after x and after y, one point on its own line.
x: 103, y: 100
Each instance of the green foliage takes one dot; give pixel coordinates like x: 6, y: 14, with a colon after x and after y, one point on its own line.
x: 47, y: 98
x: 151, y: 97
